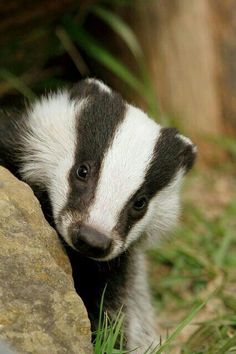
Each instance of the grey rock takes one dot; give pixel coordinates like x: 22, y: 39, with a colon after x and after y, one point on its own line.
x: 40, y: 311
x: 5, y: 349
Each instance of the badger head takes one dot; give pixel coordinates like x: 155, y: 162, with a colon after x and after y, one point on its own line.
x: 112, y: 173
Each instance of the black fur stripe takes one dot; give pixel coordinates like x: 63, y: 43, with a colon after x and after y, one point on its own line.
x: 10, y: 139
x: 170, y: 154
x: 97, y: 123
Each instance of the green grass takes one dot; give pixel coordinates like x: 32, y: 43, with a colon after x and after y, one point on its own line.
x: 198, y: 260
x: 109, y: 333
x: 109, y: 337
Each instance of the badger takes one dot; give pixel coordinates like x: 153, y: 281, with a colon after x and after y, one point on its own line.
x: 108, y: 178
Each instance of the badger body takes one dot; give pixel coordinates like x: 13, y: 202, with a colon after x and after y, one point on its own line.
x: 108, y: 178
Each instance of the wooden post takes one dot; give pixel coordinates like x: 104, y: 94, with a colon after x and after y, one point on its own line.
x: 178, y: 43
x: 190, y: 49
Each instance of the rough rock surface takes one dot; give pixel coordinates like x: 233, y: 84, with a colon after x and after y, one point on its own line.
x: 40, y: 311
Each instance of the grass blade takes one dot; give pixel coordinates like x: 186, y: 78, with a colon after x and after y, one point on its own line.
x: 98, y: 52
x: 230, y: 344
x: 121, y: 28
x: 183, y: 324
x: 73, y: 52
x: 222, y: 252
x: 129, y: 37
x: 18, y: 84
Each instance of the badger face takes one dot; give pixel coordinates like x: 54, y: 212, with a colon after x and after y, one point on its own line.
x: 112, y: 173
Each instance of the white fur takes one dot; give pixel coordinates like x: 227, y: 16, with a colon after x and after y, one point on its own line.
x: 165, y: 209
x: 162, y: 214
x: 50, y: 143
x: 123, y: 168
x: 140, y: 320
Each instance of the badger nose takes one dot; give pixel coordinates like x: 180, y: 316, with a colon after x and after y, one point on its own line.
x: 91, y: 243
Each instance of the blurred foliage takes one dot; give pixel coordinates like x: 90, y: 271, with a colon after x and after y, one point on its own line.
x: 67, y: 52
x: 226, y: 143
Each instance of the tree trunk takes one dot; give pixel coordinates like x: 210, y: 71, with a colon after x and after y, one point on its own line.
x: 178, y: 43
x: 224, y: 15
x: 190, y: 51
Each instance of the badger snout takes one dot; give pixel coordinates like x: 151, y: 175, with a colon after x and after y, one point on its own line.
x: 91, y: 243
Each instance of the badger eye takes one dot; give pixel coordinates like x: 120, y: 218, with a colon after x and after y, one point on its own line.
x: 140, y: 203
x: 82, y: 172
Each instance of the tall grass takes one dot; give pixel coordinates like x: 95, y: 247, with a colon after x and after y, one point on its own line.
x: 109, y: 336
x: 110, y: 339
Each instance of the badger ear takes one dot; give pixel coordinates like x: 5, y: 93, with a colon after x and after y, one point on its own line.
x: 188, y: 152
x: 178, y: 149
x: 87, y: 88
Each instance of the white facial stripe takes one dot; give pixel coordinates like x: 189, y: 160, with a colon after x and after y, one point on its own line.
x: 124, y: 167
x: 50, y: 143
x: 59, y: 187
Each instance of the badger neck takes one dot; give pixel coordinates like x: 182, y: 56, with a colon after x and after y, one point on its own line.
x: 92, y: 277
